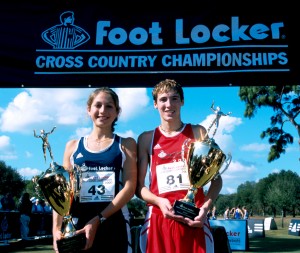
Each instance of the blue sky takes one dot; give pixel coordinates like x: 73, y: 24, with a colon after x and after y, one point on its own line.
x: 23, y: 110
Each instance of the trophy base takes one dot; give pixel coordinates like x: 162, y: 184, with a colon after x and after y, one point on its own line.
x: 185, y: 209
x: 71, y: 244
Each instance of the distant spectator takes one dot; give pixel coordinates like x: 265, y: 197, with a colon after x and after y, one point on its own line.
x: 8, y: 203
x: 47, y: 207
x: 37, y: 207
x: 231, y: 213
x: 246, y: 213
x: 227, y: 213
x: 208, y: 215
x: 24, y: 207
x: 214, y: 213
x: 237, y: 213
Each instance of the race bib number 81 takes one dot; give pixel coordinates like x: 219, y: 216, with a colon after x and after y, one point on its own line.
x: 172, y: 177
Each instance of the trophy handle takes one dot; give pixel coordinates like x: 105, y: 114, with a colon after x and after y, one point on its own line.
x: 77, y: 179
x: 226, y: 164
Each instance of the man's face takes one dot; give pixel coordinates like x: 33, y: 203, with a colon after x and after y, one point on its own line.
x: 168, y: 104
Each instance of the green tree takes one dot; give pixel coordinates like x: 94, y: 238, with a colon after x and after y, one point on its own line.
x: 11, y: 181
x: 283, y: 193
x: 31, y: 189
x: 285, y: 102
x: 245, y: 196
x: 137, y: 207
x: 260, y: 196
x: 222, y: 202
x: 276, y: 192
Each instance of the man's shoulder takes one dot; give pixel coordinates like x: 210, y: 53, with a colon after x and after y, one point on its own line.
x: 145, y: 136
x: 196, y: 126
x: 146, y: 133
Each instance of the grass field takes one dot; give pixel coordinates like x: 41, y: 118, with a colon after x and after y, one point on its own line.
x: 277, y: 241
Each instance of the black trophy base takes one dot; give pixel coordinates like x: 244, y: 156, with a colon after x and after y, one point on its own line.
x: 186, y: 209
x: 71, y: 244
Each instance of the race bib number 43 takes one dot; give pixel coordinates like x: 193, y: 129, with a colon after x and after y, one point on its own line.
x: 97, y: 186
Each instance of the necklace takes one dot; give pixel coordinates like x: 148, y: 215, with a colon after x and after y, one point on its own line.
x: 98, y: 142
x: 172, y: 131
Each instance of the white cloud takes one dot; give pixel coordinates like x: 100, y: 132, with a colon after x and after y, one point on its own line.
x: 230, y: 190
x: 19, y: 113
x: 35, y: 108
x: 236, y: 174
x: 40, y: 107
x: 7, y: 150
x: 227, y: 124
x: 4, y: 141
x: 28, y: 154
x: 275, y: 171
x: 128, y: 133
x: 8, y: 156
x: 256, y: 147
x: 28, y: 173
x: 82, y: 131
x: 132, y: 101
x: 222, y: 137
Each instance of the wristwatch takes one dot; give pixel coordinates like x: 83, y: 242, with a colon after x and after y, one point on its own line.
x: 101, y: 218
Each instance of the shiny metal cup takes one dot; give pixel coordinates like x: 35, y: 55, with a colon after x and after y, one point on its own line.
x: 59, y: 189
x: 204, y: 161
x: 56, y: 186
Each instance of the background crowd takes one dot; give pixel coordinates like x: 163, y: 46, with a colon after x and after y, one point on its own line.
x: 25, y: 206
x: 230, y: 213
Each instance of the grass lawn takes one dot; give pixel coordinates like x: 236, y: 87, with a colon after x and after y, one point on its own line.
x: 275, y: 240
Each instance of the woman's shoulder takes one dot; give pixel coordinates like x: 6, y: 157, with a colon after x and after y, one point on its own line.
x: 71, y: 143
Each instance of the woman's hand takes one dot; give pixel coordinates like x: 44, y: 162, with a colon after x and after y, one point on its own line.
x: 89, y: 230
x: 57, y: 235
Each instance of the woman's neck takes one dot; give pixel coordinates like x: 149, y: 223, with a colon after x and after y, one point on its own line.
x: 100, y: 139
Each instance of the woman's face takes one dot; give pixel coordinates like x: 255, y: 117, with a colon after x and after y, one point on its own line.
x: 103, y: 111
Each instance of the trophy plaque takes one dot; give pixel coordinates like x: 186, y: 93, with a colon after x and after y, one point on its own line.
x: 205, y: 161
x: 59, y: 187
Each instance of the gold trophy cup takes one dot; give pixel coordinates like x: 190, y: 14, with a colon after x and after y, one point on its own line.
x: 60, y: 188
x: 205, y: 161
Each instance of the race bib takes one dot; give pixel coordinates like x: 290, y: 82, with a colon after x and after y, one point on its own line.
x: 172, y: 177
x: 97, y: 186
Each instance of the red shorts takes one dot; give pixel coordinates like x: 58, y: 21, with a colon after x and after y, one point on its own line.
x: 161, y: 235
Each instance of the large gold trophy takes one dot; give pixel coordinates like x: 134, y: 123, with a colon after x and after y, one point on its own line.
x: 204, y: 161
x: 60, y: 187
